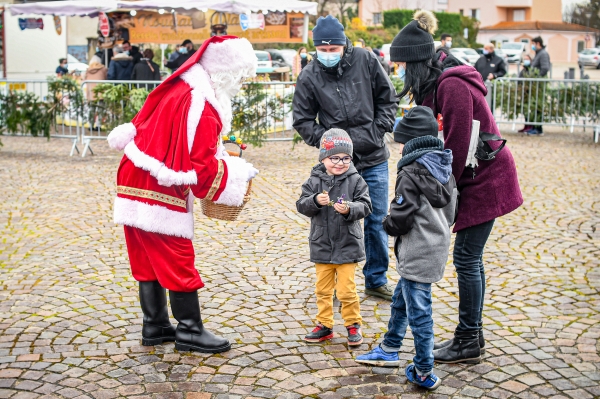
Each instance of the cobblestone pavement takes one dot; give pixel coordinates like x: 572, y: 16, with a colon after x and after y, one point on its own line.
x: 70, y: 319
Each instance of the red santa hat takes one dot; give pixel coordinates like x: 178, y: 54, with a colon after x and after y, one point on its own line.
x: 152, y: 141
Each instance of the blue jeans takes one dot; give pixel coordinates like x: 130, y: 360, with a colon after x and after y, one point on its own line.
x: 411, y: 305
x: 468, y: 260
x: 376, y: 239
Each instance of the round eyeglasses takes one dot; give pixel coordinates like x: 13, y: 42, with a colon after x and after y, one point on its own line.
x: 345, y: 160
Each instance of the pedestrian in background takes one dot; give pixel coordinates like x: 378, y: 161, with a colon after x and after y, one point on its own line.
x: 382, y: 61
x: 446, y: 40
x: 121, y: 65
x: 490, y: 65
x: 301, y: 60
x: 61, y: 69
x: 132, y: 51
x: 186, y: 50
x: 146, y: 69
x: 95, y: 71
x: 346, y: 87
x: 540, y: 63
x: 456, y: 94
x: 336, y: 198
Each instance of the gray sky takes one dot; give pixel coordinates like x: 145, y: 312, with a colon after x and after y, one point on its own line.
x: 568, y: 2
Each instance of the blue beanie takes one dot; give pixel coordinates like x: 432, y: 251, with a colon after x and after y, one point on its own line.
x: 329, y: 31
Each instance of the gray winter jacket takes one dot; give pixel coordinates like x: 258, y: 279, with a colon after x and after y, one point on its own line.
x: 420, y: 218
x: 356, y: 95
x: 335, y: 238
x: 542, y: 62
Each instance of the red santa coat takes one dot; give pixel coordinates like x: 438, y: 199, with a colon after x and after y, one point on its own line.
x: 173, y: 153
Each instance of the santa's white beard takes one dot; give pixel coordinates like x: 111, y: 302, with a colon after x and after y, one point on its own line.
x: 226, y: 86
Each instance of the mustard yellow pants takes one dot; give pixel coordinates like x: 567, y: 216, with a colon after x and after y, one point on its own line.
x: 340, y: 277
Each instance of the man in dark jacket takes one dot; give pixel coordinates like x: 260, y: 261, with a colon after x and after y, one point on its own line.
x: 185, y: 52
x: 132, y: 51
x: 346, y: 88
x: 541, y: 61
x: 121, y: 65
x: 490, y: 65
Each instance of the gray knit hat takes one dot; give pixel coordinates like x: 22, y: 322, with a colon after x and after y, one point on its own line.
x: 335, y: 141
x: 415, y: 41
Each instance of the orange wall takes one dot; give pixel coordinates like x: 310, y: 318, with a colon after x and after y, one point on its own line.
x: 547, y: 10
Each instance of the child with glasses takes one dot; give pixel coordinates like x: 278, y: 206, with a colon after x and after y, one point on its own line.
x: 336, y: 198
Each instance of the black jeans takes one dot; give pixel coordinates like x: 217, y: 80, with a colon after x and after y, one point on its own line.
x: 468, y: 260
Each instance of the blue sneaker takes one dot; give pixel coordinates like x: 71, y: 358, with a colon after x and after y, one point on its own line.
x: 377, y: 357
x: 429, y: 382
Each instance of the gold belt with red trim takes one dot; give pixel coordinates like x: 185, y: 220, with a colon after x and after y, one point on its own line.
x: 153, y: 195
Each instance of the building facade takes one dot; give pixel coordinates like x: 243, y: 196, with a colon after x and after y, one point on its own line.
x: 492, y: 12
x: 371, y: 11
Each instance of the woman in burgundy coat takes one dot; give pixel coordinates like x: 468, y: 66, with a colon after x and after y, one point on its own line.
x: 487, y: 192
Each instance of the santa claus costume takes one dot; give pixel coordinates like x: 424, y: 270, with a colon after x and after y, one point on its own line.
x: 173, y: 153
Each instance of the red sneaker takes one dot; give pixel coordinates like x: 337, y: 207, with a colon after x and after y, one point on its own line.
x: 320, y: 333
x: 354, y: 335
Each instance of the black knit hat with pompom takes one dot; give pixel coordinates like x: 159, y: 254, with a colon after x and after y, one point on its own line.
x: 415, y: 41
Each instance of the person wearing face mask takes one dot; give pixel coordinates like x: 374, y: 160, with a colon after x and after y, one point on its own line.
x: 301, y: 60
x: 186, y: 51
x: 61, y: 69
x: 541, y: 61
x: 121, y: 65
x: 346, y: 88
x: 173, y: 154
x: 132, y: 51
x: 456, y: 94
x: 490, y: 65
x: 446, y: 40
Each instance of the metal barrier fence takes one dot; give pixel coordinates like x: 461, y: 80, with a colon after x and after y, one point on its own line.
x: 547, y: 102
x: 66, y: 119
x: 89, y: 119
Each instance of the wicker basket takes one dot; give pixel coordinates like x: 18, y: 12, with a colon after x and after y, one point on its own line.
x: 225, y: 212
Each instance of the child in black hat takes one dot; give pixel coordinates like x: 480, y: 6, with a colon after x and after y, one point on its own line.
x: 420, y: 218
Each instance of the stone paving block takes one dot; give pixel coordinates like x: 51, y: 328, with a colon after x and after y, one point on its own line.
x: 70, y: 321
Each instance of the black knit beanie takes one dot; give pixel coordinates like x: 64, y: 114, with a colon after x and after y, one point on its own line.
x: 417, y: 122
x: 418, y: 147
x: 329, y: 31
x: 415, y: 41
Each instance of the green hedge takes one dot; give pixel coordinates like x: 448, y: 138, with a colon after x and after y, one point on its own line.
x: 447, y: 22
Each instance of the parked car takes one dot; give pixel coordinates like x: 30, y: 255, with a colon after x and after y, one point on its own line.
x: 502, y: 55
x: 265, y: 65
x: 467, y: 53
x: 277, y: 58
x: 589, y: 57
x: 288, y: 55
x: 514, y: 51
x: 74, y: 65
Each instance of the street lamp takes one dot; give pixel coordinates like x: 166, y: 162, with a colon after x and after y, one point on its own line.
x: 588, y: 15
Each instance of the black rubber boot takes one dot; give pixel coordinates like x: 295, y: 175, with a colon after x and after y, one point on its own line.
x: 463, y: 349
x: 191, y: 334
x: 156, y: 328
x: 443, y: 344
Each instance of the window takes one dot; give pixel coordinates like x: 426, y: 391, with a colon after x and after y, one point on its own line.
x: 377, y: 18
x: 475, y: 13
x: 518, y: 15
x: 581, y: 46
x: 461, y: 11
x: 526, y: 41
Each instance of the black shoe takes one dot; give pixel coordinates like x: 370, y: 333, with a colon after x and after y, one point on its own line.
x: 354, y: 335
x: 443, y: 344
x: 463, y: 349
x: 156, y: 328
x: 320, y: 333
x: 191, y: 334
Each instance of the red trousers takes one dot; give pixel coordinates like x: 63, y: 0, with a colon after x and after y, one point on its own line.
x: 168, y: 259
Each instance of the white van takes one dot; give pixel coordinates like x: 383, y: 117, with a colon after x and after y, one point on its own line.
x: 514, y: 51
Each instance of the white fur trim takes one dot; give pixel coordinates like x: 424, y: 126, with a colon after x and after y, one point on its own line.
x: 120, y: 136
x: 235, y: 187
x: 154, y: 218
x: 202, y: 90
x: 165, y: 176
x: 230, y: 55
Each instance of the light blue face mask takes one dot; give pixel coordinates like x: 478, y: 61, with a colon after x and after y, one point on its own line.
x: 527, y: 63
x: 533, y: 47
x: 302, y: 55
x: 183, y: 50
x: 485, y: 52
x: 401, y: 72
x: 448, y: 44
x: 329, y: 59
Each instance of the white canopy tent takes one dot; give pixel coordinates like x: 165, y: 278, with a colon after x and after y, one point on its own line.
x: 91, y: 8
